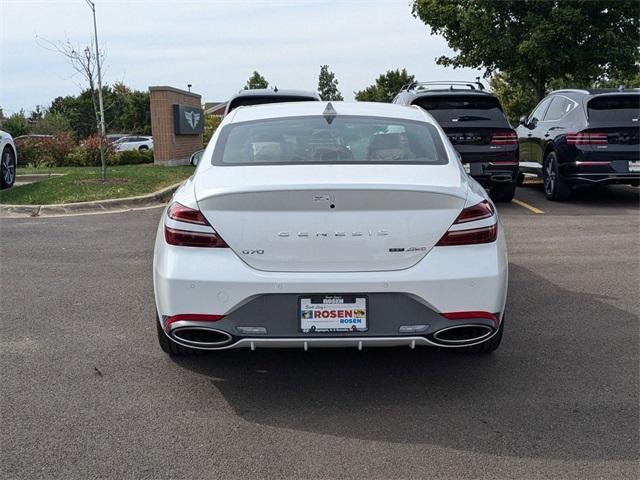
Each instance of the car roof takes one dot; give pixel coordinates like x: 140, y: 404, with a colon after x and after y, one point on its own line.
x: 299, y: 109
x: 268, y: 92
x: 449, y: 91
x: 595, y: 91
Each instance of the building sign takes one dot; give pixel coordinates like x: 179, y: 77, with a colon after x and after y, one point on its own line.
x: 188, y: 120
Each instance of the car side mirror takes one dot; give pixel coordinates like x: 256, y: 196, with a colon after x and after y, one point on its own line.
x: 523, y: 121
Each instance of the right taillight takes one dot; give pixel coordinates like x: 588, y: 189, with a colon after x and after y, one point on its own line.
x: 179, y: 233
x: 472, y: 234
x: 587, y: 138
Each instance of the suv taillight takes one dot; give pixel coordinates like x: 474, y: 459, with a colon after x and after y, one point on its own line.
x: 208, y: 238
x: 504, y: 138
x: 587, y: 138
x: 473, y: 235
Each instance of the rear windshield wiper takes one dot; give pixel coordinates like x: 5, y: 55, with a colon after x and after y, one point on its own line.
x: 468, y: 118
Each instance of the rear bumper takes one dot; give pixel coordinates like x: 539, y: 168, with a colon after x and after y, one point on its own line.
x: 599, y: 172
x: 217, y: 282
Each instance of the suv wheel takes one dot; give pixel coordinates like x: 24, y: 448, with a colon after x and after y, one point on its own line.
x: 555, y: 187
x: 503, y: 192
x: 7, y: 168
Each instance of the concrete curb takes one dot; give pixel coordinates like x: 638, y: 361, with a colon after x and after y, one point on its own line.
x: 98, y: 206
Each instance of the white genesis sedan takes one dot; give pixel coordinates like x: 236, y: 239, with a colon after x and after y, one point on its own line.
x: 318, y: 224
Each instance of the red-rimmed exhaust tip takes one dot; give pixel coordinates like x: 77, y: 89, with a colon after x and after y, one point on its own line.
x: 471, y: 315
x: 193, y: 317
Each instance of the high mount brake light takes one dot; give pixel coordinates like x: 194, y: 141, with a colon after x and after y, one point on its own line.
x: 506, y: 138
x: 472, y: 236
x: 189, y: 238
x: 587, y: 138
x: 179, y: 212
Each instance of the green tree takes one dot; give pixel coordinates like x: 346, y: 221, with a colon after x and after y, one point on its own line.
x: 256, y: 81
x: 516, y: 99
x: 328, y: 85
x: 16, y: 124
x: 535, y: 42
x: 211, y: 124
x: 51, y: 123
x: 386, y: 86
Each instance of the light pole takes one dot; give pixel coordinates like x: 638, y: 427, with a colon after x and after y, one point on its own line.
x: 101, y: 123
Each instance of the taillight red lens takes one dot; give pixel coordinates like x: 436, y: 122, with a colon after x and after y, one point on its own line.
x: 504, y: 138
x: 469, y: 237
x: 192, y: 317
x: 587, y: 138
x: 476, y: 212
x: 179, y: 212
x: 185, y: 238
x: 472, y: 236
x: 470, y: 315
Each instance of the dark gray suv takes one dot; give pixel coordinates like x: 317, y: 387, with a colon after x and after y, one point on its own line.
x: 478, y: 128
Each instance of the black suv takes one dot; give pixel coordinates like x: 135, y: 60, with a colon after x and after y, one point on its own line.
x: 261, y: 96
x: 477, y: 127
x: 583, y: 137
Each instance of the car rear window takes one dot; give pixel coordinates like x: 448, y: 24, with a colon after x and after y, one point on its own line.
x: 456, y: 110
x: 614, y: 108
x: 260, y: 100
x: 320, y: 140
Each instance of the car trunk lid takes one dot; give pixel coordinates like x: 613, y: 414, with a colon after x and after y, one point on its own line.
x: 331, y: 218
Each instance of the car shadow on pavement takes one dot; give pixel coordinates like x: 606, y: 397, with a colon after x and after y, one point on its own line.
x: 560, y: 386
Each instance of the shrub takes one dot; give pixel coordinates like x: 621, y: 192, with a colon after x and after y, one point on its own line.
x: 44, y: 152
x: 87, y: 154
x: 132, y: 157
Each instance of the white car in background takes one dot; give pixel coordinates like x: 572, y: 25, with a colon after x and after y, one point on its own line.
x: 314, y: 224
x: 8, y: 160
x: 138, y: 142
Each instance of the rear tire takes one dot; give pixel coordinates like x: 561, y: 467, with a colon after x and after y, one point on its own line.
x: 7, y: 168
x: 143, y: 148
x: 503, y: 192
x: 487, y: 346
x: 170, y: 347
x: 555, y: 187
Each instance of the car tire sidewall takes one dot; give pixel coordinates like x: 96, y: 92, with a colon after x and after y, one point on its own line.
x: 554, y: 186
x: 7, y: 151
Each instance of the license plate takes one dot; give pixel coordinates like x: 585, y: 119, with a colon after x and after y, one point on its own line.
x: 467, y: 167
x: 333, y: 313
x: 634, y: 166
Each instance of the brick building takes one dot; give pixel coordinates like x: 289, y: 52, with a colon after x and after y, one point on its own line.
x: 171, y: 146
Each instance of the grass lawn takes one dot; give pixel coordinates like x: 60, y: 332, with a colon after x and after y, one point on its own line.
x: 81, y: 184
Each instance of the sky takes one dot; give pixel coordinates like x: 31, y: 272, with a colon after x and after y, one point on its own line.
x: 214, y: 45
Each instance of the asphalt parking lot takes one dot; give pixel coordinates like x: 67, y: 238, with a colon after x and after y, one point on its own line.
x: 87, y: 393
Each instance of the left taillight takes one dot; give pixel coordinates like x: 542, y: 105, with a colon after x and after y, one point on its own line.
x: 472, y: 234
x: 181, y: 234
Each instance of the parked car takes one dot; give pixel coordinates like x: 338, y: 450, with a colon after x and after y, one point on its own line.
x: 134, y: 143
x: 112, y: 137
x: 477, y: 127
x: 261, y: 96
x: 8, y: 161
x: 582, y: 137
x: 318, y: 224
x: 32, y: 136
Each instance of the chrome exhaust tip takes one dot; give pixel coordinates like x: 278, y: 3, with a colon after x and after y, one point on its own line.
x: 201, y: 337
x: 463, y: 334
